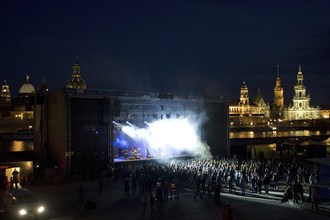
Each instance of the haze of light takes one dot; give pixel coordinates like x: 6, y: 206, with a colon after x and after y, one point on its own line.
x: 170, y: 138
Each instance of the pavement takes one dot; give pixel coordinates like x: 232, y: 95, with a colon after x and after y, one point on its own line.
x: 62, y: 203
x: 276, y: 197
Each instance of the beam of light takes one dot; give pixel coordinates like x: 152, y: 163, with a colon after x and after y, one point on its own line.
x: 170, y: 137
x: 117, y: 124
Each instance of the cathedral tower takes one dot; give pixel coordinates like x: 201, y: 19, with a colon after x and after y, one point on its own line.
x: 278, y: 91
x: 301, y: 108
x: 76, y: 81
x: 5, y: 97
x: 300, y: 99
x: 244, y: 98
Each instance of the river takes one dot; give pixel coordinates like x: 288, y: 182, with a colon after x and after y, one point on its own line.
x: 273, y: 134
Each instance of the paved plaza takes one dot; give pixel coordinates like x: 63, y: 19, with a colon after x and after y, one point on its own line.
x: 62, y: 203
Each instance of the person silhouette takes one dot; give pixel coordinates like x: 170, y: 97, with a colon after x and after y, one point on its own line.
x: 15, y: 178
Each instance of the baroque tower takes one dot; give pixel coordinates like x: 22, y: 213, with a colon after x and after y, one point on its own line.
x: 244, y: 98
x: 76, y: 81
x: 300, y: 99
x: 5, y: 97
x: 278, y: 91
x: 300, y: 108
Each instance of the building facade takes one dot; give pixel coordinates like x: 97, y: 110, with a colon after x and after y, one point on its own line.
x: 248, y: 111
x: 17, y: 112
x: 300, y: 108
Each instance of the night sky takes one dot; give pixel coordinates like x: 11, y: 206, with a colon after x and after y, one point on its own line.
x: 169, y: 46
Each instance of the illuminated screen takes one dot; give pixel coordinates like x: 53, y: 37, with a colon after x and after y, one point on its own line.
x: 159, y: 139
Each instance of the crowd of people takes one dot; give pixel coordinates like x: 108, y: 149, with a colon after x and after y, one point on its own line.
x: 158, y: 181
x: 155, y: 182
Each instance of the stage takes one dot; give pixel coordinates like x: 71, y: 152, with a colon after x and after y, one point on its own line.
x: 127, y: 160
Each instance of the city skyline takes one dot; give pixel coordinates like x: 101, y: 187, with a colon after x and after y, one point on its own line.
x: 179, y: 47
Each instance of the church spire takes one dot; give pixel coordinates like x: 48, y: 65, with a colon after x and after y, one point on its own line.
x: 300, y: 76
x: 278, y: 90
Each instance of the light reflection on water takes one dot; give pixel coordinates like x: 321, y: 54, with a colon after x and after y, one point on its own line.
x: 17, y: 146
x: 271, y: 134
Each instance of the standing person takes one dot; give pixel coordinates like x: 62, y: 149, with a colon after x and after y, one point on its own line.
x: 159, y: 197
x: 210, y: 187
x: 115, y: 174
x: 243, y: 185
x: 81, y: 191
x: 165, y: 187
x: 100, y: 185
x: 152, y: 203
x: 174, y: 189
x: 198, y: 188
x: 217, y: 193
x: 314, y: 197
x: 231, y: 185
x: 126, y: 186
x: 254, y: 184
x: 15, y: 178
x: 11, y: 182
x: 301, y: 192
x: 259, y: 183
x: 266, y: 183
x: 276, y: 180
x: 287, y: 195
x: 295, y: 192
x: 311, y: 181
x: 143, y: 204
x: 134, y: 183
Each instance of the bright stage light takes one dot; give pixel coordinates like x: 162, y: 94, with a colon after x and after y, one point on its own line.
x: 170, y: 137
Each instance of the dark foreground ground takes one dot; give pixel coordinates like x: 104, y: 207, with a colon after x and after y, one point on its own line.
x: 62, y: 203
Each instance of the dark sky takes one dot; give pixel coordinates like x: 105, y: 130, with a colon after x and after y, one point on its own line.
x: 169, y: 46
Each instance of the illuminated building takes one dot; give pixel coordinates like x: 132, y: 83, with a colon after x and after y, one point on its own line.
x: 300, y: 109
x: 5, y: 96
x: 248, y: 111
x: 325, y: 111
x: 76, y: 82
x: 17, y: 108
x: 278, y: 105
x: 278, y: 91
x: 27, y: 89
x: 5, y: 101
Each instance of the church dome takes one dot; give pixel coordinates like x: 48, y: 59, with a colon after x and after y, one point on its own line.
x: 27, y: 88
